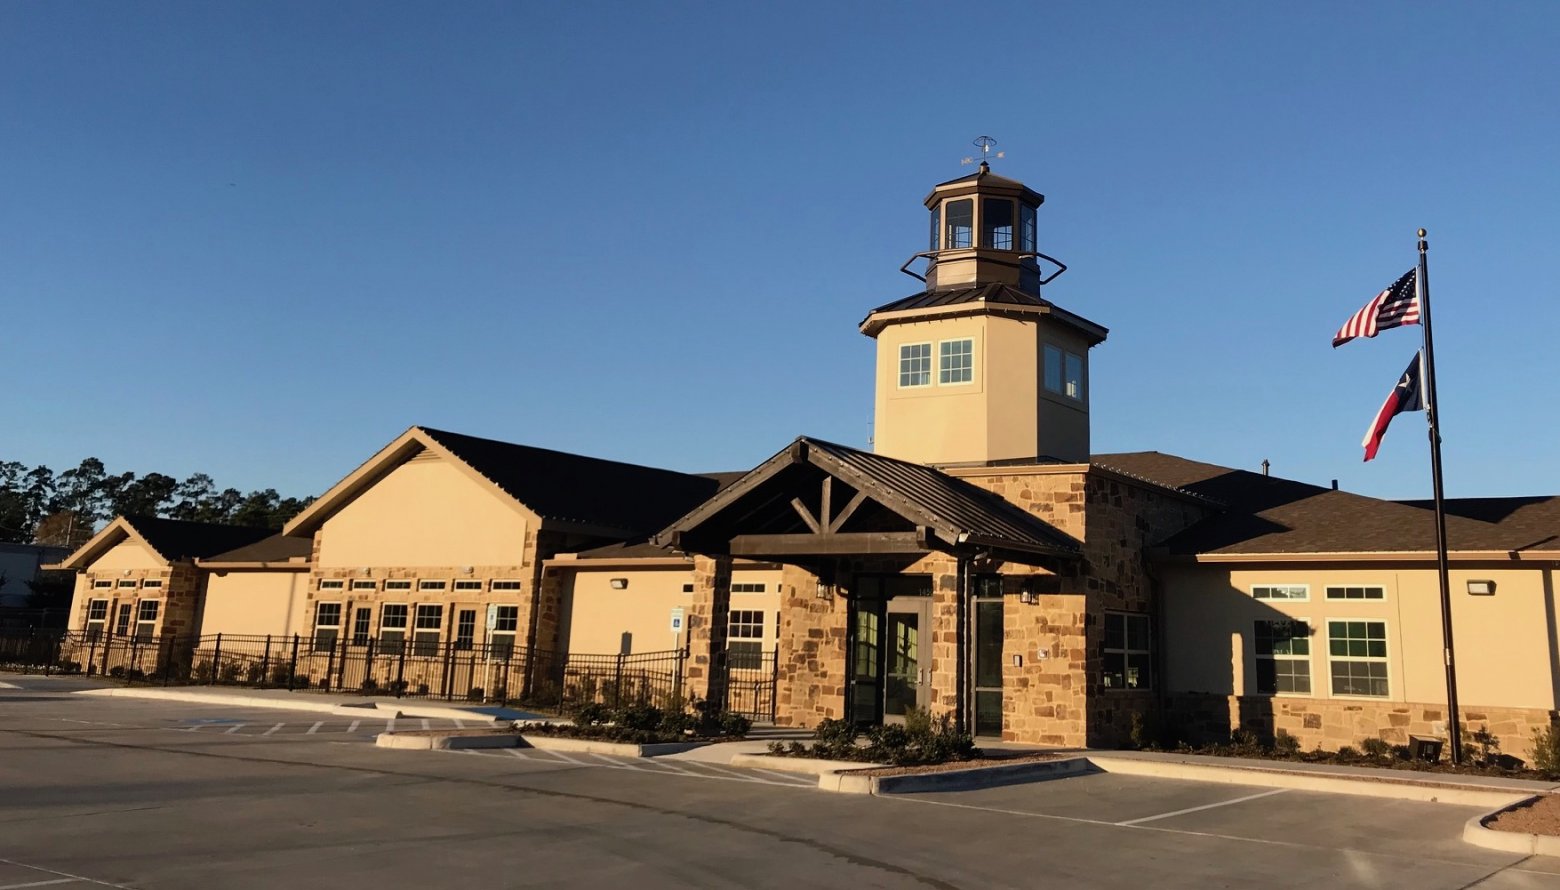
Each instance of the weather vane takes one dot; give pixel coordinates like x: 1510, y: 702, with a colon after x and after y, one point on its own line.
x: 985, y: 144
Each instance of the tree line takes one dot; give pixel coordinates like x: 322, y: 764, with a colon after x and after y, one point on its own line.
x: 63, y: 509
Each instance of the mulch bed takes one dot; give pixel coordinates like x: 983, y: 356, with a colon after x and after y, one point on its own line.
x: 1542, y: 816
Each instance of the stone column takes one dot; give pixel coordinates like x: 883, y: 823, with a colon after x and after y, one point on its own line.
x: 708, y: 617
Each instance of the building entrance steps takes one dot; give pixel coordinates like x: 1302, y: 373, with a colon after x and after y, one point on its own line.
x: 319, y: 702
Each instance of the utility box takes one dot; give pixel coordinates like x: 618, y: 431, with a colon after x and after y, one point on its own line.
x: 1425, y: 748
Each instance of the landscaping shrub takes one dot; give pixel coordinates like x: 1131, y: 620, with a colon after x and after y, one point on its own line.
x: 1376, y: 749
x: 475, y: 693
x: 1546, y: 750
x: 117, y: 672
x: 1286, y: 745
x: 646, y: 724
x: 920, y: 740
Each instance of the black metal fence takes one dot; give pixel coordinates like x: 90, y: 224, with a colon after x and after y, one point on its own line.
x: 531, y: 678
x: 750, y: 681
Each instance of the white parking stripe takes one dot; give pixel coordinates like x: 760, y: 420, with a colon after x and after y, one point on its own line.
x: 566, y: 758
x: 460, y: 724
x: 267, y: 732
x: 797, y: 779
x: 235, y: 728
x: 746, y: 777
x: 516, y: 752
x: 1209, y: 806
x: 354, y: 726
x: 426, y: 724
x: 38, y: 883
x: 315, y: 728
x: 63, y: 874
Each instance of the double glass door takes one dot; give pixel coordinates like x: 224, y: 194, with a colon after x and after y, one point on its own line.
x: 890, y: 663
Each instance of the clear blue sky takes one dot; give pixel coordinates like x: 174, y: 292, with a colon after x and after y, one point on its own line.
x: 259, y: 240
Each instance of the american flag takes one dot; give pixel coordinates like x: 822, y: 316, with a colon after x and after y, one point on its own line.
x: 1397, y: 305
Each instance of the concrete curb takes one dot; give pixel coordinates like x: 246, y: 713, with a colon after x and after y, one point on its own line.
x: 981, y: 776
x: 445, y: 742
x: 621, y: 749
x: 809, y: 765
x: 1475, y: 833
x: 334, y: 708
x: 1408, y: 789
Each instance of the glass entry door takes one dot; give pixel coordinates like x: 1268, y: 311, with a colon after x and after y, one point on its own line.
x: 908, y: 670
x: 889, y: 663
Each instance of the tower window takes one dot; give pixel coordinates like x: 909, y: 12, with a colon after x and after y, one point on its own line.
x: 996, y: 223
x: 955, y: 361
x: 1063, y: 372
x: 915, y: 364
x: 961, y: 223
x: 1026, y: 224
x: 936, y: 225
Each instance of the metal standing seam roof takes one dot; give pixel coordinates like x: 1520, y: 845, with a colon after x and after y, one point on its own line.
x: 954, y: 509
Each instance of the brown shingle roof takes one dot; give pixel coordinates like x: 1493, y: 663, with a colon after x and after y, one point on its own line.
x: 602, y: 495
x: 276, y: 548
x: 1267, y: 514
x: 178, y: 539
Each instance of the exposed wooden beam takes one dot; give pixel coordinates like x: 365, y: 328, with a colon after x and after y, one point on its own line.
x: 850, y: 507
x: 823, y: 508
x: 807, y: 517
x: 849, y: 544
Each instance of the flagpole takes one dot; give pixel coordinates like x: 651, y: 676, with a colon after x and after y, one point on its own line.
x: 1433, y: 415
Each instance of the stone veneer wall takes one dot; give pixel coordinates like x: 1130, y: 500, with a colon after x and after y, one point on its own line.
x: 1333, y: 723
x: 1059, y: 698
x: 708, y: 621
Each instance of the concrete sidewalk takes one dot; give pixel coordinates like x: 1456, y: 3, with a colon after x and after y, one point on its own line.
x: 316, y: 702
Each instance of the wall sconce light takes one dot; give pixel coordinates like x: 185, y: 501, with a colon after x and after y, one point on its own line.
x: 825, y: 590
x: 1027, y: 596
x: 1481, y: 588
x: 619, y: 583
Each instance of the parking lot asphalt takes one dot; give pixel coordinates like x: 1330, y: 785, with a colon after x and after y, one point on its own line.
x: 150, y: 795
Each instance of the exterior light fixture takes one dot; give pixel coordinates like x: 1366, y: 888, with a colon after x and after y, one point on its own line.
x: 825, y: 591
x: 619, y: 583
x: 1481, y: 588
x: 1027, y: 595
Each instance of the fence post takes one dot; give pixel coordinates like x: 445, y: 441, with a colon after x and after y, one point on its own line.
x: 677, y: 681
x: 774, y: 683
x: 265, y: 662
x: 400, y: 669
x: 47, y: 662
x: 617, y: 683
x: 368, y: 662
x: 563, y: 677
x: 216, y: 660
x: 292, y: 667
x: 168, y: 655
x: 449, y: 670
x: 330, y: 660
x: 508, y: 654
x: 108, y: 637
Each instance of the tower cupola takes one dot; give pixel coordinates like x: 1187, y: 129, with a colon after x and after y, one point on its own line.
x: 983, y: 231
x: 978, y: 368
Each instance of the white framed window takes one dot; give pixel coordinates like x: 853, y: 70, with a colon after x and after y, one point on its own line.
x: 401, y: 584
x: 915, y: 365
x: 1128, y: 651
x: 362, y: 618
x: 501, y: 640
x: 505, y: 585
x: 1357, y: 658
x: 102, y: 584
x: 425, y: 633
x: 97, y: 618
x: 122, y: 618
x: 955, y: 361
x: 743, y: 587
x: 152, y: 584
x: 468, y: 585
x: 392, y: 627
x: 1283, y: 650
x: 146, y: 620
x: 361, y: 584
x: 332, y: 584
x: 1063, y: 372
x: 744, y: 639
x: 327, y: 626
x: 960, y: 215
x: 127, y: 584
x: 1292, y: 592
x: 433, y: 586
x: 1357, y: 592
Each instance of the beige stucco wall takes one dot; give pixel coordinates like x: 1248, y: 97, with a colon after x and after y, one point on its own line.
x: 127, y: 561
x: 127, y: 554
x: 1505, y: 644
x: 1005, y: 411
x: 252, y: 602
x: 598, y: 616
x: 425, y: 512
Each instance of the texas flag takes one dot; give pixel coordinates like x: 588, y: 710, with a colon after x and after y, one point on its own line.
x: 1408, y: 395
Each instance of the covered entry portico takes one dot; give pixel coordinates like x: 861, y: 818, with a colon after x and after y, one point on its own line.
x: 885, y: 563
